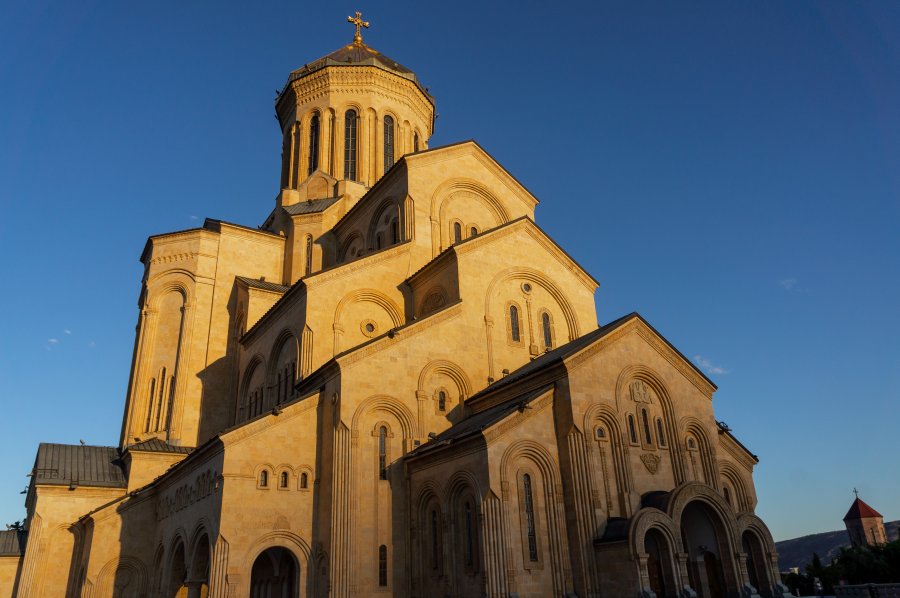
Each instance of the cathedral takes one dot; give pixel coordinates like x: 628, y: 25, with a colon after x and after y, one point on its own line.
x: 395, y: 385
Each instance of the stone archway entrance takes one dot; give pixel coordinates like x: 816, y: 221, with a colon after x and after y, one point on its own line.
x: 660, y: 564
x: 176, y: 587
x: 706, y: 544
x: 275, y: 574
x: 757, y: 572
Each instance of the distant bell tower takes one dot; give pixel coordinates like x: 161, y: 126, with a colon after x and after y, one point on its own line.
x: 864, y: 524
x: 348, y: 116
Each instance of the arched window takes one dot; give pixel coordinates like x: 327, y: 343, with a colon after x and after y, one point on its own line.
x: 473, y: 231
x: 514, y: 333
x: 691, y: 443
x: 442, y: 401
x: 415, y: 142
x: 546, y: 326
x: 350, y: 119
x: 388, y: 142
x: 304, y: 481
x: 632, y: 430
x: 435, y: 561
x: 309, y: 249
x: 601, y: 433
x: 457, y: 232
x: 283, y: 480
x: 378, y: 241
x: 382, y: 453
x: 529, y: 518
x: 150, y: 399
x: 395, y: 230
x: 727, y: 494
x: 645, y: 423
x: 470, y: 535
x: 660, y: 435
x: 263, y: 478
x: 313, y: 143
x: 382, y: 566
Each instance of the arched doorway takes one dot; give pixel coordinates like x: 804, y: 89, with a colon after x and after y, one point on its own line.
x: 275, y: 574
x: 199, y: 581
x: 176, y: 587
x: 659, y: 564
x: 756, y: 562
x: 707, y: 549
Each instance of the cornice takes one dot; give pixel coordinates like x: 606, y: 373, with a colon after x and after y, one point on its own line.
x: 740, y: 453
x: 347, y: 268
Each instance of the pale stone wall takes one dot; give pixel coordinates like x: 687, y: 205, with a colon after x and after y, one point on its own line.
x: 9, y: 573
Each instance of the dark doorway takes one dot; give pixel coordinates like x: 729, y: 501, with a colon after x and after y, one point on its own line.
x: 275, y: 574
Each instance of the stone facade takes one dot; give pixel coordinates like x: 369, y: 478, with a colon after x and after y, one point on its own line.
x: 396, y: 385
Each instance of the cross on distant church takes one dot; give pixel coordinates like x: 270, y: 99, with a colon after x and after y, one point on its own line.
x: 357, y: 20
x: 856, y: 492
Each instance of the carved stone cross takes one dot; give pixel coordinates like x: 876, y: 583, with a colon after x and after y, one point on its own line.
x: 357, y: 20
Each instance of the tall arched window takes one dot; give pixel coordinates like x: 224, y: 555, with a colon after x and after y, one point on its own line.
x: 645, y: 423
x: 263, y: 478
x: 350, y: 119
x: 632, y: 430
x: 457, y: 232
x: 470, y: 535
x: 529, y: 518
x: 283, y: 480
x: 309, y: 249
x: 514, y: 333
x: 395, y: 230
x: 415, y: 142
x: 388, y: 142
x: 382, y: 566
x: 304, y: 481
x: 150, y: 400
x: 435, y: 561
x: 382, y: 453
x: 548, y: 331
x: 660, y: 435
x: 313, y: 143
x: 442, y: 401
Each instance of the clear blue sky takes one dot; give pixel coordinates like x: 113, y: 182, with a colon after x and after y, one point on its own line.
x: 731, y: 170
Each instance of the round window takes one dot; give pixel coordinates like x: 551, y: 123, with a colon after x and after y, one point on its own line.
x: 369, y: 328
x: 526, y: 287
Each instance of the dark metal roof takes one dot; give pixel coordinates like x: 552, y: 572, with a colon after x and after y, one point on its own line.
x: 12, y: 542
x: 65, y: 464
x: 155, y: 445
x: 356, y: 55
x: 310, y: 206
x: 262, y: 284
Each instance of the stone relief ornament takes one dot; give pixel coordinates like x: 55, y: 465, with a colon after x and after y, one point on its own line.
x: 651, y: 462
x: 639, y: 392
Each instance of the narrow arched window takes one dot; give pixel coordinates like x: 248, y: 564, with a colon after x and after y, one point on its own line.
x: 442, y: 401
x: 415, y: 142
x: 388, y: 142
x: 548, y: 331
x: 313, y: 143
x: 161, y: 399
x: 529, y: 518
x: 473, y: 231
x: 660, y: 434
x: 434, y: 540
x: 514, y: 324
x: 382, y: 566
x: 304, y: 481
x: 645, y: 423
x: 470, y: 536
x: 150, y: 404
x: 283, y: 481
x: 727, y: 494
x: 691, y: 443
x: 263, y: 478
x: 601, y: 433
x: 378, y: 241
x: 395, y: 230
x: 457, y: 232
x: 309, y: 249
x: 632, y: 430
x: 382, y: 453
x: 350, y: 122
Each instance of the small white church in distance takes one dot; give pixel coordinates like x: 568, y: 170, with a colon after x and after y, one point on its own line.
x: 396, y: 385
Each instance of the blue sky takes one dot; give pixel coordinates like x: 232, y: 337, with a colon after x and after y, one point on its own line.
x: 729, y: 170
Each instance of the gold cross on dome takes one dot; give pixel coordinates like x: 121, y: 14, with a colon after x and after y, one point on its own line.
x: 357, y: 20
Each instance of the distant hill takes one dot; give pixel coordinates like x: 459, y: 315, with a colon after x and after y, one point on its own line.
x: 799, y: 551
